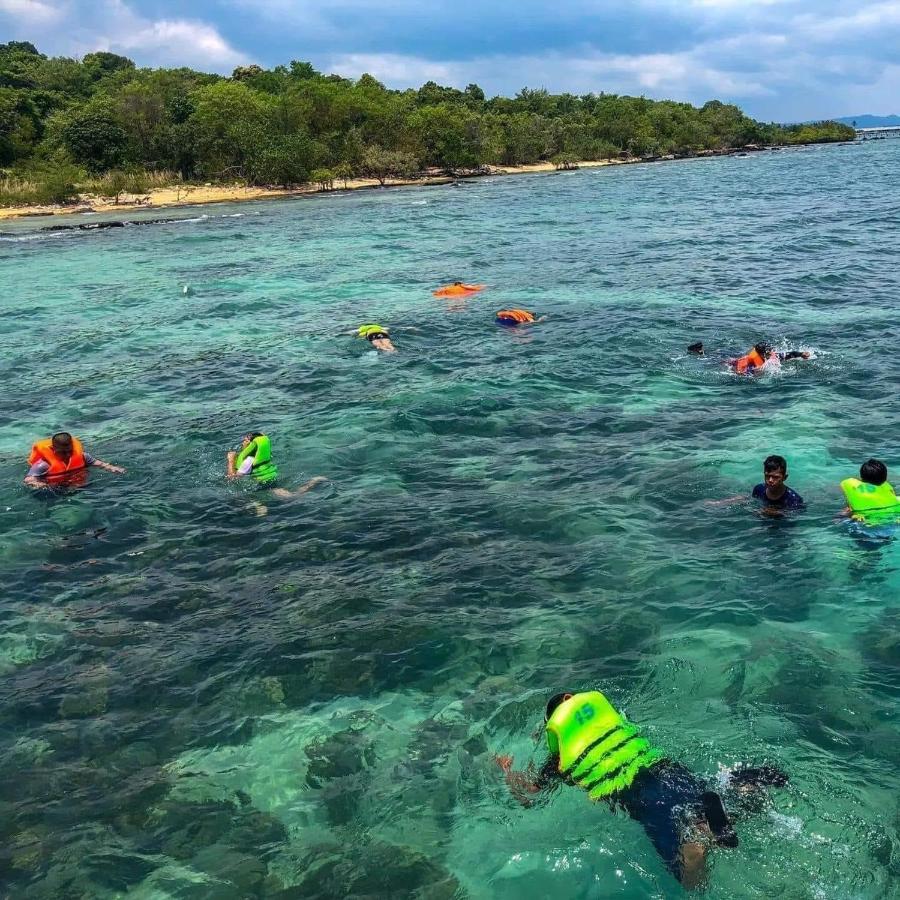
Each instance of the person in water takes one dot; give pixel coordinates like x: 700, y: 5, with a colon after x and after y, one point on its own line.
x: 377, y: 336
x: 594, y: 747
x: 696, y: 349
x: 773, y: 491
x: 871, y: 498
x: 457, y: 289
x: 513, y: 318
x: 61, y: 461
x: 254, y: 460
x: 761, y: 354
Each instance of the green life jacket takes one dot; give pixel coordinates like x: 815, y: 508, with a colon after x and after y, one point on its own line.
x: 599, y: 749
x: 365, y: 330
x: 873, y: 503
x: 260, y: 448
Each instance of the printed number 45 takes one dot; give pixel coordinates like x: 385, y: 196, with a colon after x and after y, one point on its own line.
x: 585, y: 714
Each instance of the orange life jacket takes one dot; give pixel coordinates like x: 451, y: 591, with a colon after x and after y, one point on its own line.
x: 516, y: 315
x: 458, y: 290
x: 42, y: 451
x: 751, y: 360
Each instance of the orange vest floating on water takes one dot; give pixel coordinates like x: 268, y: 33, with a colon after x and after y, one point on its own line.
x: 458, y: 290
x: 515, y: 315
x: 74, y: 469
x: 751, y: 360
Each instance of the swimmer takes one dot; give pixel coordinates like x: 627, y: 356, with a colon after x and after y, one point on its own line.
x: 592, y: 745
x: 773, y: 493
x: 760, y: 354
x: 696, y: 349
x: 377, y: 336
x: 254, y: 459
x: 458, y: 289
x: 871, y: 497
x: 61, y: 461
x: 512, y: 318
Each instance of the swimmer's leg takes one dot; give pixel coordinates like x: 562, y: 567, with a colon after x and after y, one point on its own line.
x: 285, y: 494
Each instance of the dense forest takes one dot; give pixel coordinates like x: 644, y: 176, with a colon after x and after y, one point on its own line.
x: 102, y: 123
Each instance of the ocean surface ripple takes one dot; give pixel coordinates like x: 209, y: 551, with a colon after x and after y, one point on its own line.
x: 211, y: 692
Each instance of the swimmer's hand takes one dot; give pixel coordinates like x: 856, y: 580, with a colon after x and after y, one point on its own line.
x: 505, y: 762
x: 109, y: 467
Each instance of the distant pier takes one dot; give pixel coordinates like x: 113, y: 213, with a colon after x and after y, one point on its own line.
x: 868, y: 134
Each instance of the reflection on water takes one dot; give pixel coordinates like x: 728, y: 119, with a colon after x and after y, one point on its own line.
x: 201, y: 702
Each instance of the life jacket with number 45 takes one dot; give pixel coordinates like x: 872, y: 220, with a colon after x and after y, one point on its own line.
x: 598, y: 748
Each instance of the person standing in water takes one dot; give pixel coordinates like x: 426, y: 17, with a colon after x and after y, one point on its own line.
x: 62, y: 461
x: 254, y: 460
x: 594, y: 747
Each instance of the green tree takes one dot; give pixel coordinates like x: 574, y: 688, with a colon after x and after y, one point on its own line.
x: 383, y: 164
x: 95, y: 139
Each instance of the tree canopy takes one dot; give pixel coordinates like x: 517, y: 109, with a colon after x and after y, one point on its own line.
x: 278, y: 126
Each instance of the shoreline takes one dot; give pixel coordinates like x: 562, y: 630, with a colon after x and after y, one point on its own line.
x: 178, y: 196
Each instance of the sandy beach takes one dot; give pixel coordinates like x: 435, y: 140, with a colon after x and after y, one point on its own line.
x: 195, y: 195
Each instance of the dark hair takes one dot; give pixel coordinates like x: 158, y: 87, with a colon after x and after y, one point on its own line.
x: 763, y: 348
x: 774, y: 463
x: 873, y: 471
x: 253, y: 435
x: 62, y: 440
x: 555, y: 700
x: 696, y: 347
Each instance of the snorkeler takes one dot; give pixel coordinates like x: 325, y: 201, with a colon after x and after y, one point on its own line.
x: 760, y: 354
x: 61, y: 461
x: 512, y: 318
x: 458, y: 289
x: 254, y: 459
x: 594, y: 747
x: 871, y: 497
x: 377, y: 336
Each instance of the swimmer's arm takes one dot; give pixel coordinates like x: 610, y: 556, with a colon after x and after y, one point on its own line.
x: 524, y: 785
x: 794, y: 354
x: 109, y: 467
x: 34, y: 478
x: 728, y: 501
x: 230, y: 457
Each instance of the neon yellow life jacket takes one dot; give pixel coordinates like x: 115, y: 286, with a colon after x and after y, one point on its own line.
x: 871, y: 502
x: 260, y: 448
x: 599, y: 749
x: 366, y: 330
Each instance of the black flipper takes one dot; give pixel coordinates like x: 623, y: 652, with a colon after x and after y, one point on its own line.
x: 758, y: 776
x: 718, y: 820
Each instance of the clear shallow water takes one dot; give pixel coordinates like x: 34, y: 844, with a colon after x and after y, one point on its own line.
x: 199, y: 701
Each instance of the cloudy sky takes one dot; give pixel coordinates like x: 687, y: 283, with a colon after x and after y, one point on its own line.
x: 785, y: 60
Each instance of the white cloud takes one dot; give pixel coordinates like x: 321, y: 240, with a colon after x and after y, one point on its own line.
x: 74, y: 28
x: 32, y: 12
x: 664, y: 75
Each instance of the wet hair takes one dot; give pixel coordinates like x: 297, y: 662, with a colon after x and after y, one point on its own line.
x: 554, y: 702
x: 774, y: 463
x: 696, y: 348
x: 763, y: 348
x: 873, y: 471
x: 62, y: 440
x: 253, y: 435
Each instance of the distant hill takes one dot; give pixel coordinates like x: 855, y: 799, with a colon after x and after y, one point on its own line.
x: 870, y: 121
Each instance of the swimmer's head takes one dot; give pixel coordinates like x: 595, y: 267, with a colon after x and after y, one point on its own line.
x: 62, y: 443
x: 774, y: 469
x: 250, y: 436
x: 873, y: 471
x: 555, y: 701
x: 763, y: 348
x: 696, y: 348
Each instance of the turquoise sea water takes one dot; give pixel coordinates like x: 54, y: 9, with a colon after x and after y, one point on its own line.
x: 198, y: 700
